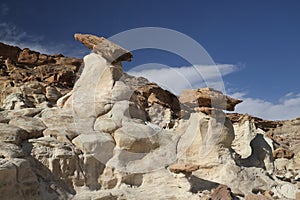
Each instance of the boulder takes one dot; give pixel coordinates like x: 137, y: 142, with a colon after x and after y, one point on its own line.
x: 222, y: 192
x: 98, y: 144
x: 9, y: 150
x: 52, y: 94
x: 203, y: 137
x: 15, y: 101
x: 60, y: 163
x: 136, y: 138
x: 208, y: 97
x: 106, y: 125
x: 108, y: 50
x: 12, y: 134
x: 26, y: 56
x: 34, y: 126
x: 7, y: 115
x: 60, y: 134
x: 18, y: 181
x: 58, y: 118
x: 9, y: 186
x: 283, y: 153
x: 162, y: 106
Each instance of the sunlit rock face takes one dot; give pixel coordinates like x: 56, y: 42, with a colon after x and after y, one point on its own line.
x: 110, y: 135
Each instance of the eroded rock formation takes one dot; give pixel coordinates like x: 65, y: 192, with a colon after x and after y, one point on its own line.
x: 110, y: 135
x: 30, y: 79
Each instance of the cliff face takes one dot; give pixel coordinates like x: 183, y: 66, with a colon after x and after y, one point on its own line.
x: 110, y: 135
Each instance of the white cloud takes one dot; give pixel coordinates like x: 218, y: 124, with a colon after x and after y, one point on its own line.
x: 176, y: 79
x: 4, y: 9
x: 288, y: 107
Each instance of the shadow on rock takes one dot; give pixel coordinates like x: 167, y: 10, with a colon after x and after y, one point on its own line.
x: 261, y: 154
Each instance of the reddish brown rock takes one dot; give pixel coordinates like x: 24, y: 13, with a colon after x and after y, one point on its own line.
x: 222, y: 192
x: 283, y: 153
x: 298, y: 196
x: 112, y: 52
x: 208, y: 97
x: 17, y: 67
x: 155, y: 94
x: 211, y: 111
x: 257, y: 197
x: 152, y: 97
x: 7, y: 51
x: 183, y: 168
x: 28, y: 57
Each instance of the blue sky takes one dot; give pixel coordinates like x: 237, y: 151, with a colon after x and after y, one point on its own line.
x: 258, y: 40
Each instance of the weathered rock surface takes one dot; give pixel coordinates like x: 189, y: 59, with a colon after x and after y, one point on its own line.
x: 208, y: 97
x: 12, y: 134
x: 110, y: 51
x: 34, y: 126
x: 115, y: 136
x: 222, y: 192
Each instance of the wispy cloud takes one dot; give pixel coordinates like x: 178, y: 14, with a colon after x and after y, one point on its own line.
x: 176, y: 79
x: 288, y: 107
x: 12, y: 35
x: 4, y: 9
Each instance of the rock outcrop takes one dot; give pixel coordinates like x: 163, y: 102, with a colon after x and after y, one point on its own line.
x: 208, y: 97
x: 110, y: 135
x: 30, y: 79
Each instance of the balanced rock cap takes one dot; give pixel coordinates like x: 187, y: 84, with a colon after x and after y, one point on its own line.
x: 107, y: 49
x: 208, y: 97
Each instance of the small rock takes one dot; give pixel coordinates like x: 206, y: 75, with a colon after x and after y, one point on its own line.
x: 281, y: 163
x: 12, y: 134
x: 257, y: 197
x: 183, y: 168
x: 222, y: 192
x: 283, y: 153
x: 106, y: 125
x: 15, y: 101
x: 34, y: 126
x: 8, y: 150
x: 52, y: 94
x: 60, y: 134
x: 28, y: 57
x: 7, y: 115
